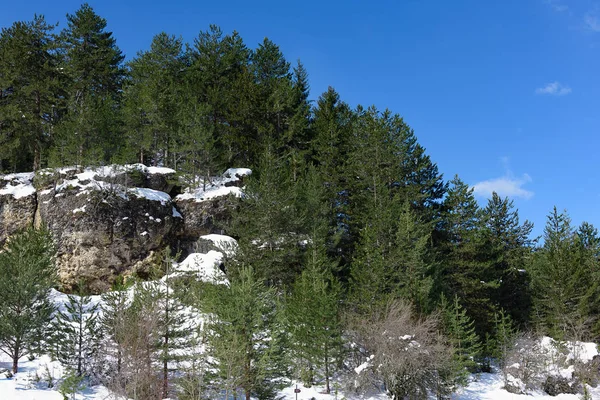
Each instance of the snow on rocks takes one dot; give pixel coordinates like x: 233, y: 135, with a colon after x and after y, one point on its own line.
x: 205, y: 267
x: 217, y: 186
x: 226, y: 244
x: 17, y: 185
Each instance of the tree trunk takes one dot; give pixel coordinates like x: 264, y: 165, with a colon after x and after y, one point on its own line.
x: 15, y: 357
x: 327, y: 388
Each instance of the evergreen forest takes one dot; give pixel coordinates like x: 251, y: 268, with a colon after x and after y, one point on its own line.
x: 347, y: 229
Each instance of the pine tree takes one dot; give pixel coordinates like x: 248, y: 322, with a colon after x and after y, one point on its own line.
x: 77, y: 333
x: 466, y: 267
x: 30, y: 93
x: 174, y: 327
x: 269, y: 224
x: 588, y: 248
x: 330, y: 147
x: 299, y: 133
x: 27, y: 273
x: 465, y: 342
x: 509, y: 249
x: 153, y: 97
x: 557, y: 279
x: 93, y: 65
x: 274, y: 88
x: 113, y: 322
x: 219, y: 76
x: 243, y: 338
x: 412, y: 260
x: 313, y: 318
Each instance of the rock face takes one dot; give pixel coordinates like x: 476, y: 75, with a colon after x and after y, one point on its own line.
x: 111, y: 221
x: 555, y: 385
x: 17, y: 205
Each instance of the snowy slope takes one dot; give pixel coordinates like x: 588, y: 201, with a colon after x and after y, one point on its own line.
x: 32, y: 380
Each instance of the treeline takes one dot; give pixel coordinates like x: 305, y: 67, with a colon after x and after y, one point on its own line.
x: 347, y: 229
x: 68, y: 98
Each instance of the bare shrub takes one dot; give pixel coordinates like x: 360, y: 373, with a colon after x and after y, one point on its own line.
x: 405, y: 354
x: 525, y: 364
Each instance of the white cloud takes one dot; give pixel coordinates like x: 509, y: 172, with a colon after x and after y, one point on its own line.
x: 592, y: 22
x: 505, y: 186
x: 554, y: 89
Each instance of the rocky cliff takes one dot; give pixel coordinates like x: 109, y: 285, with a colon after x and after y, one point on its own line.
x: 110, y: 221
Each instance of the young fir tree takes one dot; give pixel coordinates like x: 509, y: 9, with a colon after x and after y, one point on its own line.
x: 93, y: 66
x: 27, y: 273
x: 243, y: 337
x: 174, y: 328
x: 313, y: 318
x: 274, y: 87
x: 30, y: 93
x: 332, y: 126
x: 113, y: 322
x: 77, y: 333
x: 558, y: 279
x: 464, y: 341
x: 588, y: 244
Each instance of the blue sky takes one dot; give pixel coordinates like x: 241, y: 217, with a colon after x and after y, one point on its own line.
x: 503, y: 93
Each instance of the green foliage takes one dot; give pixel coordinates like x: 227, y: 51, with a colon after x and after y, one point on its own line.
x: 509, y: 249
x: 76, y: 338
x: 313, y: 318
x: 31, y: 92
x: 27, y: 273
x: 153, y: 100
x: 92, y: 66
x: 269, y: 223
x: 460, y: 329
x: 243, y: 337
x: 466, y: 269
x: 71, y: 384
x: 564, y: 278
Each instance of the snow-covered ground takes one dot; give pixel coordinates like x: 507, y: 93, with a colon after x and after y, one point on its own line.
x: 31, y: 382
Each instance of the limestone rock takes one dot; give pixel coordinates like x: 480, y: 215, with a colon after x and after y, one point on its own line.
x: 17, y: 204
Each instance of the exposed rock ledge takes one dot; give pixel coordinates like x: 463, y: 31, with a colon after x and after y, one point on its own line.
x: 109, y: 221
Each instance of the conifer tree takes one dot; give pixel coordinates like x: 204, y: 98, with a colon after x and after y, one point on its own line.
x: 330, y: 148
x: 152, y: 100
x: 588, y: 248
x: 465, y: 342
x: 113, y: 322
x: 77, y: 333
x: 93, y: 65
x: 508, y: 247
x: 412, y: 260
x: 174, y: 329
x: 30, y: 93
x: 27, y: 273
x: 219, y: 75
x: 244, y: 340
x: 312, y: 317
x: 558, y: 278
x: 465, y: 269
x: 269, y: 223
x: 274, y: 88
x: 299, y: 133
